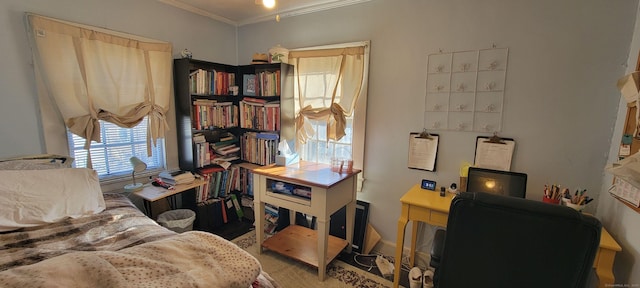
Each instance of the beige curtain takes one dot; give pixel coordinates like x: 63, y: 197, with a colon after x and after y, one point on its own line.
x: 329, y: 84
x: 94, y: 74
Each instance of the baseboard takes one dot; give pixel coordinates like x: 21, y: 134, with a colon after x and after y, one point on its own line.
x: 387, y: 248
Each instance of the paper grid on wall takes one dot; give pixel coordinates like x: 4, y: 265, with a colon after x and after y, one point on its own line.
x: 465, y: 90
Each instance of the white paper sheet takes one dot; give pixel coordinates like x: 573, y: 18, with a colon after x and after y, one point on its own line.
x: 496, y: 156
x: 422, y: 152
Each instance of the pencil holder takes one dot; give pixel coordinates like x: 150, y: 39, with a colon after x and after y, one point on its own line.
x: 567, y: 202
x: 550, y: 200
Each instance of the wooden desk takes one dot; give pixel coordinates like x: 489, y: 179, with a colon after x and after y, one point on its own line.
x: 330, y: 191
x: 150, y: 193
x: 420, y: 205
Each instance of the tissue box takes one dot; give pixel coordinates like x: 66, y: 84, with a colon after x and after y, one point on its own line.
x: 284, y: 160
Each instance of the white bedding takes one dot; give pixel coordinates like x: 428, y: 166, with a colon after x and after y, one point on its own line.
x: 190, y: 259
x: 121, y: 247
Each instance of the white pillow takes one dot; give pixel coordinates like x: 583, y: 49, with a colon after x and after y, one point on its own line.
x: 35, y: 197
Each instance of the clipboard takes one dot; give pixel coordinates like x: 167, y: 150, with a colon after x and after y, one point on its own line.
x: 494, y: 152
x: 423, y: 149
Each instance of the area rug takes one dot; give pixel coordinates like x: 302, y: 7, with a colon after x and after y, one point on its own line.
x: 291, y: 273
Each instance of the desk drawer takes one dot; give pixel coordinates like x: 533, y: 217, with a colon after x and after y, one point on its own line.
x: 438, y: 218
x: 430, y: 216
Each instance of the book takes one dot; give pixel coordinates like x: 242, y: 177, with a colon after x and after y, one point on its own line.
x: 177, y: 177
x: 224, y: 212
x: 249, y: 84
x: 237, y: 206
x: 232, y: 214
x: 254, y: 100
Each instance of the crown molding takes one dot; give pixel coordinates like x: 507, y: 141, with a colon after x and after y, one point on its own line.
x: 198, y: 11
x: 301, y: 11
x: 268, y: 17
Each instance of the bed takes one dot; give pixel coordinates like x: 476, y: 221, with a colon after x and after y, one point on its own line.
x: 110, y: 243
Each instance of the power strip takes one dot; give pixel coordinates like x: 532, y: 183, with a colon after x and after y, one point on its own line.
x: 385, y: 267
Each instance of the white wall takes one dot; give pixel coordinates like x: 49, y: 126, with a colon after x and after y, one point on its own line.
x: 20, y: 126
x: 561, y: 101
x: 620, y: 220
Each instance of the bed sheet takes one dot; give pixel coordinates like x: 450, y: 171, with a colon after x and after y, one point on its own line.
x: 122, y: 245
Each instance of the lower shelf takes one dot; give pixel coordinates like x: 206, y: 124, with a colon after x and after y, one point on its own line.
x: 300, y: 243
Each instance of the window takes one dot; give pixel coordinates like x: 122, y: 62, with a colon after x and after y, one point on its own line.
x: 331, y: 83
x: 319, y: 149
x: 93, y: 77
x: 111, y: 157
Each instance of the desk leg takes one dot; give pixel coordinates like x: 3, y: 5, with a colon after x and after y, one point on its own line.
x: 402, y: 224
x: 173, y: 203
x: 604, y: 267
x: 414, y: 238
x: 147, y: 208
x: 323, y: 238
x: 292, y: 217
x: 258, y: 222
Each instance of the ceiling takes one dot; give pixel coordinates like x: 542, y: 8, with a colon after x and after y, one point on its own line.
x: 243, y: 12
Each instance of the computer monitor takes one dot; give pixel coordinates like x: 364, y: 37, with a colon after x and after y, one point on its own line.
x: 497, y: 182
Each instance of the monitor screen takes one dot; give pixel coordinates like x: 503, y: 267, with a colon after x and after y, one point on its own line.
x: 497, y: 182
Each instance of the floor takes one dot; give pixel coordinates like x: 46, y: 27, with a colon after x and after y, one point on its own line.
x: 233, y: 230
x: 368, y: 263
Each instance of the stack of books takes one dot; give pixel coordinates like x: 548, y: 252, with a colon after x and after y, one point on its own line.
x: 177, y: 177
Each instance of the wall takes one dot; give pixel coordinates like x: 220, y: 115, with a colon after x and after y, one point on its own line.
x: 19, y: 109
x: 620, y: 220
x: 561, y: 100
x: 561, y: 103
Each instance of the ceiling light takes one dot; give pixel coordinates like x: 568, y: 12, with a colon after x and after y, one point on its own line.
x: 269, y: 3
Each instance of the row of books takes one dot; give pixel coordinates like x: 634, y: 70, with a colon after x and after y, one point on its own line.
x: 219, y: 182
x: 208, y: 114
x: 246, y: 181
x: 271, y: 217
x: 259, y: 147
x: 211, y: 82
x: 214, y: 213
x: 202, y: 150
x: 259, y: 114
x: 225, y: 149
x: 265, y: 83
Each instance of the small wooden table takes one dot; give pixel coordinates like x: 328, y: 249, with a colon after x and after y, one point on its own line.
x: 419, y: 205
x: 150, y: 193
x: 330, y: 191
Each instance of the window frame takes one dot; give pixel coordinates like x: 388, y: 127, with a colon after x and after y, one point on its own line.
x: 359, y: 115
x: 106, y: 146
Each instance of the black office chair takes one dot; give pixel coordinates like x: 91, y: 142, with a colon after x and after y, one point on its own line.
x: 496, y: 241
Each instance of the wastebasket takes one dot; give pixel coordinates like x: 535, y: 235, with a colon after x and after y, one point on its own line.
x: 179, y: 220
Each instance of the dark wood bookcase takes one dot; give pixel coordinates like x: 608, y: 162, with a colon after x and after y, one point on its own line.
x: 184, y: 99
x: 188, y: 123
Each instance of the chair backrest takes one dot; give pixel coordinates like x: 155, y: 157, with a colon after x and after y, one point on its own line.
x: 496, y: 241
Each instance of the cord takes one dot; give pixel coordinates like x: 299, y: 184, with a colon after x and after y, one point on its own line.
x: 404, y: 262
x: 369, y: 267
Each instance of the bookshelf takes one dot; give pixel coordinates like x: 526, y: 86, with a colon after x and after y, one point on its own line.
x: 206, y: 111
x: 215, y: 121
x: 266, y: 110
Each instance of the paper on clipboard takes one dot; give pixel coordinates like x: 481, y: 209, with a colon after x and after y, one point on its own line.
x: 423, y: 151
x: 494, y: 155
x: 628, y: 169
